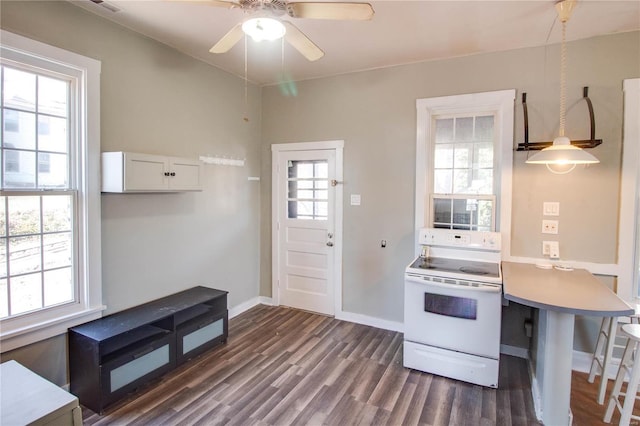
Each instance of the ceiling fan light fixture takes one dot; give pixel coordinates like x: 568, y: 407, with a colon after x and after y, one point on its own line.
x: 263, y: 28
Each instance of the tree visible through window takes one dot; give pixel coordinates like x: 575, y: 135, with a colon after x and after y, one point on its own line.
x: 463, y: 186
x: 37, y: 201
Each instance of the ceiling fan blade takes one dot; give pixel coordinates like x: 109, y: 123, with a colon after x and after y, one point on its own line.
x: 341, y: 10
x: 301, y: 42
x: 217, y: 3
x: 228, y: 40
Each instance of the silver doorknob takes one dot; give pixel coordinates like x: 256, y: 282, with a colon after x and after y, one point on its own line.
x: 330, y: 243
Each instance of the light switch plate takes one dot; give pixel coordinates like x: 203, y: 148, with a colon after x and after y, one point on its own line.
x: 551, y: 208
x: 355, y: 199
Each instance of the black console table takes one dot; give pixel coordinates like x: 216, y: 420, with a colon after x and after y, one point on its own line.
x: 112, y: 356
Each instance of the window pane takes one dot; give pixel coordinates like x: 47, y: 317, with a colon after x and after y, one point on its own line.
x: 52, y: 96
x: 464, y: 129
x: 444, y: 130
x: 24, y: 215
x: 484, y: 129
x: 3, y: 257
x: 321, y: 170
x: 19, y: 89
x: 484, y: 155
x: 485, y: 210
x: 56, y: 211
x: 461, y: 212
x: 3, y: 220
x: 443, y: 158
x: 442, y: 210
x: 482, y: 181
x: 58, y: 287
x: 4, y: 298
x: 443, y: 181
x: 24, y: 255
x: 56, y: 250
x: 52, y: 134
x: 26, y: 293
x: 462, y: 158
x: 461, y: 181
x: 19, y: 169
x: 19, y: 129
x: 52, y: 170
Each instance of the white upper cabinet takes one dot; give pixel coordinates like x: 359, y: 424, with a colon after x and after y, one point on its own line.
x: 132, y: 172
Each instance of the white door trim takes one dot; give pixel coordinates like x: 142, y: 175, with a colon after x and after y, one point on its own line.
x: 338, y: 146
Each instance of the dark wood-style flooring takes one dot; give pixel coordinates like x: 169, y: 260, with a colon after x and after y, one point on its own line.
x: 284, y: 366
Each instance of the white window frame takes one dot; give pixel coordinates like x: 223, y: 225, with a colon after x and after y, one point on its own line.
x: 500, y: 103
x: 39, y: 325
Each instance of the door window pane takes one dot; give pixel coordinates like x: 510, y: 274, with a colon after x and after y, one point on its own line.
x: 308, y: 183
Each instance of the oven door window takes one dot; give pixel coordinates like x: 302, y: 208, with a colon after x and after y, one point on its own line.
x: 451, y: 306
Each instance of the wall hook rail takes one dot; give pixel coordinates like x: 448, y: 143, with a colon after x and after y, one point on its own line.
x: 536, y: 146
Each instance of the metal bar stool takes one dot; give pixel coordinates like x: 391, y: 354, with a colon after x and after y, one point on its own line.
x: 627, y: 365
x: 603, y: 354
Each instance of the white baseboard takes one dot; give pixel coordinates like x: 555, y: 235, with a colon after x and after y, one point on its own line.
x: 370, y: 321
x: 245, y: 306
x: 514, y: 351
x: 581, y: 361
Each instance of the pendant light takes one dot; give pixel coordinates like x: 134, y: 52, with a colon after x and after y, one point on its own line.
x: 562, y: 153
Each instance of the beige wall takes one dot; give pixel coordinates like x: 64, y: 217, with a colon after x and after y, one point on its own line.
x: 375, y: 113
x: 156, y: 100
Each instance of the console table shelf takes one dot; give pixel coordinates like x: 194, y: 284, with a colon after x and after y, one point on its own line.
x: 112, y: 356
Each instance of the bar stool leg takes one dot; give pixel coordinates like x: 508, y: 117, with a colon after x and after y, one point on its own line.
x: 608, y: 354
x: 624, y: 367
x: 632, y: 389
x: 602, y: 339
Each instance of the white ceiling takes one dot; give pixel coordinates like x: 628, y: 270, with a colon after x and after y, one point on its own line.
x: 400, y: 32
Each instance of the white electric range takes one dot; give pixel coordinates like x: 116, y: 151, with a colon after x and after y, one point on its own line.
x: 452, y: 306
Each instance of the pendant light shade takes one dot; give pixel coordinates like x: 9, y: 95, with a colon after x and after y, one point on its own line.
x: 562, y: 152
x: 263, y: 28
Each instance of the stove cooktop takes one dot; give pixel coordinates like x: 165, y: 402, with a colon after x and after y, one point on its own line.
x: 433, y: 265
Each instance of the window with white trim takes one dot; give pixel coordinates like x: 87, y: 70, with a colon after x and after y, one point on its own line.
x: 464, y: 162
x: 49, y: 190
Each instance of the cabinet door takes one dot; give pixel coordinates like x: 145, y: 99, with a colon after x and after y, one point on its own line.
x: 125, y: 373
x: 144, y: 172
x: 185, y: 174
x: 200, y: 334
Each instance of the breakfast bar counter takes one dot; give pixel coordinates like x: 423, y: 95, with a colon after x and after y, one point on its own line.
x: 560, y: 295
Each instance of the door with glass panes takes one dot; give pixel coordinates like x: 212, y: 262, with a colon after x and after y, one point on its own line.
x: 305, y: 204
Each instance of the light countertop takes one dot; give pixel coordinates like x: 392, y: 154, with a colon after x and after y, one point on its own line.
x: 573, y: 292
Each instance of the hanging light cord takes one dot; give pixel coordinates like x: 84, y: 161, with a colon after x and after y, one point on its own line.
x: 563, y: 78
x: 246, y: 84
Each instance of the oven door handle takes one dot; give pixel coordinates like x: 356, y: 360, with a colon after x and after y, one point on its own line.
x: 486, y: 288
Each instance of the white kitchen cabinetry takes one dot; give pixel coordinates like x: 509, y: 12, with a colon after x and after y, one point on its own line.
x: 132, y: 172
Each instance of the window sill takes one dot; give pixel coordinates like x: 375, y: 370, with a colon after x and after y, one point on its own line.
x: 33, y: 333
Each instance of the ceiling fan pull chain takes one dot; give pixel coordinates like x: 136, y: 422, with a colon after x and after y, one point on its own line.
x: 246, y: 88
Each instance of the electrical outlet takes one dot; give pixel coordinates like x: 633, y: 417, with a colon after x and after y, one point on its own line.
x: 545, y: 248
x: 554, y: 250
x: 549, y: 226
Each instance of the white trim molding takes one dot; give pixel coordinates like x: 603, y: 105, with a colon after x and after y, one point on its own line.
x: 629, y: 194
x: 500, y: 103
x: 85, y: 72
x: 338, y: 147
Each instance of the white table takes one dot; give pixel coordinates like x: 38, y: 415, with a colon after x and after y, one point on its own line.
x: 559, y: 295
x: 28, y: 399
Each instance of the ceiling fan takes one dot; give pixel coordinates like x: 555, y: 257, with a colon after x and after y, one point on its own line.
x: 264, y: 23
